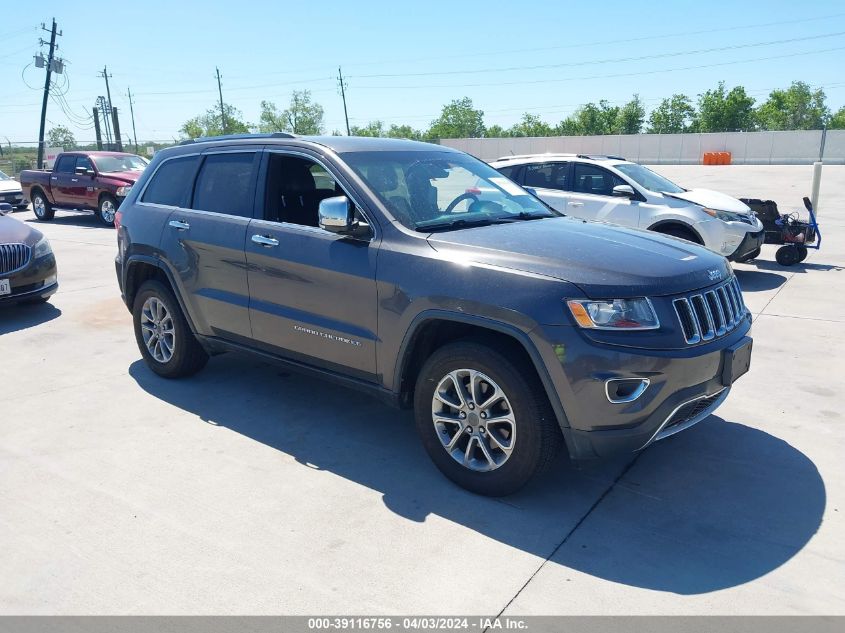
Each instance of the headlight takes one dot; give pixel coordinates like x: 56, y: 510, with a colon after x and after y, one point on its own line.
x: 614, y: 314
x: 725, y: 216
x: 42, y: 248
x: 124, y: 190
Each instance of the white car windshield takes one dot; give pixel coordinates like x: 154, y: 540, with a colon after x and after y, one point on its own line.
x: 4, y: 176
x: 647, y: 179
x: 439, y: 190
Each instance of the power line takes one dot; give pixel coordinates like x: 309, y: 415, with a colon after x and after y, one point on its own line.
x: 613, y: 60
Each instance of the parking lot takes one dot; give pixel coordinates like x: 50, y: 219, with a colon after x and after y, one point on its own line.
x: 246, y: 489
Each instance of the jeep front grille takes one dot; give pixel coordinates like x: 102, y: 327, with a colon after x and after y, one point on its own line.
x: 712, y: 313
x: 13, y: 257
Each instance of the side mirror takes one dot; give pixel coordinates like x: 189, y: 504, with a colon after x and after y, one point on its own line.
x: 5, y: 208
x: 337, y: 215
x: 624, y: 191
x: 84, y: 171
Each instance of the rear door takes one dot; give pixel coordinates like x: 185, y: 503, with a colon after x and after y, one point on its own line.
x: 592, y: 197
x: 63, y: 180
x: 550, y: 181
x: 312, y: 293
x: 205, y: 243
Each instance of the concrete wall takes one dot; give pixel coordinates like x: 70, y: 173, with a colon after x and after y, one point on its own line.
x: 747, y: 148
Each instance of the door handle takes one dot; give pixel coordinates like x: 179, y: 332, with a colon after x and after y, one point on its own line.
x: 53, y: 178
x: 265, y: 241
x: 179, y: 225
x: 74, y: 180
x: 576, y: 204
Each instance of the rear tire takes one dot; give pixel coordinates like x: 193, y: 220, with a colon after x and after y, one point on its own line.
x: 534, y: 437
x: 166, y: 342
x: 42, y: 208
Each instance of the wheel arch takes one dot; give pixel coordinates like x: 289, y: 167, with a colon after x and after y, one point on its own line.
x: 687, y: 228
x: 141, y: 268
x: 433, y: 329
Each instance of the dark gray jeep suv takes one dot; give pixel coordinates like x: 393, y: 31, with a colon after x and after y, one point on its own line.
x: 424, y: 276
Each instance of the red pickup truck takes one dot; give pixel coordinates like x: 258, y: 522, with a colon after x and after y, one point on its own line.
x: 97, y: 181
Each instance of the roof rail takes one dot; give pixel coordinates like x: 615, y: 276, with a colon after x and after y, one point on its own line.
x: 235, y: 137
x: 601, y: 157
x: 518, y: 156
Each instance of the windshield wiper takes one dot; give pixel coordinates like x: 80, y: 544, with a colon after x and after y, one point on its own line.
x: 457, y: 224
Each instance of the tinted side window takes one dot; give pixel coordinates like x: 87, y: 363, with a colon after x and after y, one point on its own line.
x: 595, y: 180
x: 65, y: 164
x: 171, y: 182
x: 547, y: 175
x: 507, y: 171
x: 84, y: 162
x: 225, y: 184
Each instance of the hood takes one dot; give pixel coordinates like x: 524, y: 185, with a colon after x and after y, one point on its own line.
x: 9, y: 185
x: 603, y: 260
x: 129, y: 177
x: 12, y: 230
x: 712, y: 200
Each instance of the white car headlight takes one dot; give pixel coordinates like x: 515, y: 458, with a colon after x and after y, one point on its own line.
x: 614, y: 314
x: 42, y: 248
x: 725, y: 216
x: 124, y: 190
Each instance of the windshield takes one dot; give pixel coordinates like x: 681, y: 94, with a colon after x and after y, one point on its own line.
x: 444, y: 190
x: 646, y: 178
x: 4, y: 176
x: 130, y: 162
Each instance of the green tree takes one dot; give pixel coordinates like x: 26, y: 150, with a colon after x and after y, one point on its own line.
x: 674, y: 114
x: 373, y: 128
x: 837, y: 121
x: 630, y: 117
x: 303, y: 115
x: 568, y: 127
x: 459, y: 119
x: 210, y: 123
x: 404, y: 131
x: 796, y: 108
x: 725, y: 111
x: 496, y: 131
x: 60, y: 136
x: 592, y: 119
x: 530, y: 125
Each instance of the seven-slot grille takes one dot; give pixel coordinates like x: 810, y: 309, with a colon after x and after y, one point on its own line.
x: 13, y: 257
x: 712, y: 313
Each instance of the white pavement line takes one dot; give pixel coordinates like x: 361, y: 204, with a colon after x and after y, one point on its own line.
x: 589, y: 511
x: 774, y: 296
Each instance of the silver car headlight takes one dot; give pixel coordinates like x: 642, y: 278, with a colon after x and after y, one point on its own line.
x: 42, y: 248
x: 124, y: 190
x: 614, y: 314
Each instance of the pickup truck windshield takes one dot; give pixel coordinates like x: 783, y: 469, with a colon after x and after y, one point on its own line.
x: 119, y: 163
x: 443, y: 190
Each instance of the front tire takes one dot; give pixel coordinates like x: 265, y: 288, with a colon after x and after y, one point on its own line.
x: 679, y: 232
x: 166, y: 342
x: 41, y: 207
x: 485, y: 423
x: 107, y: 210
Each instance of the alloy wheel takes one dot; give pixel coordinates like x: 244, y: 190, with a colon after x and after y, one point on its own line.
x: 158, y: 330
x: 474, y: 420
x: 107, y: 211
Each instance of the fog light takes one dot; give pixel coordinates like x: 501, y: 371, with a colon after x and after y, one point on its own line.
x: 49, y: 281
x: 624, y: 390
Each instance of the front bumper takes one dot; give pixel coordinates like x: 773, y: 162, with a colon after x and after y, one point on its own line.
x: 684, y: 387
x: 14, y: 198
x: 750, y: 243
x: 37, y: 281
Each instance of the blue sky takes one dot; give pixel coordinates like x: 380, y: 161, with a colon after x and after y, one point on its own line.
x: 404, y: 60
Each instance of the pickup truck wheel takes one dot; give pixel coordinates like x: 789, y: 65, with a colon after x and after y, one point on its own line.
x: 486, y: 425
x: 42, y: 209
x: 107, y: 210
x: 166, y: 342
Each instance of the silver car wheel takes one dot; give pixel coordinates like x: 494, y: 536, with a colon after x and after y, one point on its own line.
x: 157, y: 329
x: 39, y: 207
x: 473, y: 420
x: 107, y: 211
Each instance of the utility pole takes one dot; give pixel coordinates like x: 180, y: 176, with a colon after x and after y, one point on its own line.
x: 50, y: 56
x: 132, y: 113
x: 343, y: 96
x: 225, y: 127
x: 105, y: 75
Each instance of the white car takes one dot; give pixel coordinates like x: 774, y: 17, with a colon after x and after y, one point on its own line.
x: 612, y: 189
x: 10, y: 192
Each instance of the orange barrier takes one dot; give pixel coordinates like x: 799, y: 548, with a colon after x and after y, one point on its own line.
x: 716, y: 158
